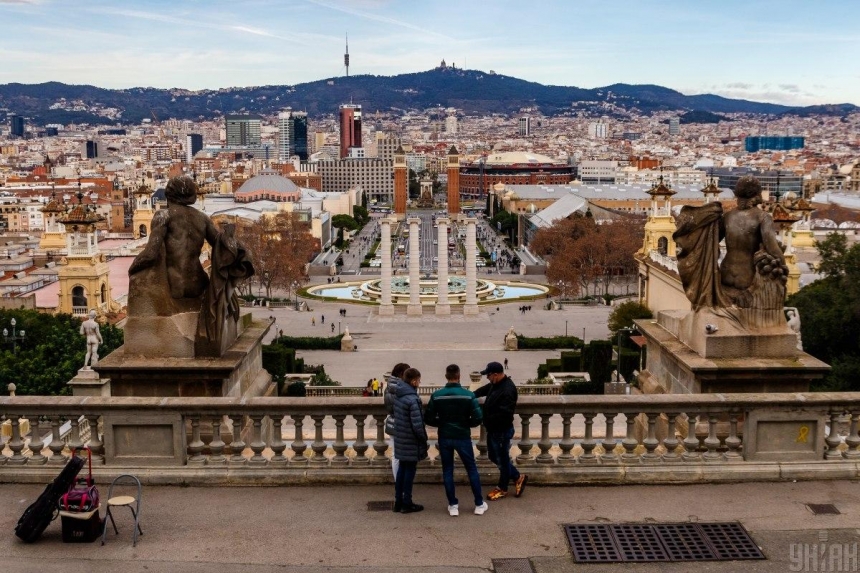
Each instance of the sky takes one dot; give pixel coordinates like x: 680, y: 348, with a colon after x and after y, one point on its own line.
x: 793, y: 52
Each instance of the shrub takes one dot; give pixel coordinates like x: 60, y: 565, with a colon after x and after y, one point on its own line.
x: 597, y: 360
x: 296, y: 389
x: 310, y: 342
x: 548, y: 342
x: 278, y: 360
x: 322, y: 379
x: 625, y: 313
x: 581, y: 386
x: 571, y: 361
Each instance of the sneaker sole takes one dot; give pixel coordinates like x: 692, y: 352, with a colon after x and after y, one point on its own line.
x: 522, y: 488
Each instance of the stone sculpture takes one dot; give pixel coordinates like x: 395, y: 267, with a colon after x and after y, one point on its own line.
x: 90, y: 329
x: 749, y: 285
x: 792, y: 315
x: 511, y: 342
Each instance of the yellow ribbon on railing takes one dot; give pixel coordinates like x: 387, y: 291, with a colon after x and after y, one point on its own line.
x: 803, y: 435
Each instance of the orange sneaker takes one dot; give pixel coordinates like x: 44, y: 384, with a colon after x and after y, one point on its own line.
x: 520, y: 485
x: 497, y: 494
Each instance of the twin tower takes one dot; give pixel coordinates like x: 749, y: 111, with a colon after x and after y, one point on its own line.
x: 401, y: 182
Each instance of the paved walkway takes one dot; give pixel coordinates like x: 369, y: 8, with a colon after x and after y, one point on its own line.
x: 329, y: 529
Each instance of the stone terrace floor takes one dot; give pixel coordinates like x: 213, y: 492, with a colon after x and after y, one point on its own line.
x: 329, y: 529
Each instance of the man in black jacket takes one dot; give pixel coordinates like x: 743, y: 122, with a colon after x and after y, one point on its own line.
x: 499, y: 406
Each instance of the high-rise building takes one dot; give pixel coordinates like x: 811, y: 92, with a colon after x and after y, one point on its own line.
x: 386, y: 145
x: 453, y: 181
x: 451, y: 125
x: 374, y: 175
x: 193, y: 144
x: 243, y: 130
x: 16, y: 125
x: 350, y: 128
x: 525, y: 126
x: 754, y: 143
x: 91, y: 149
x: 292, y: 135
x: 598, y: 129
x: 674, y: 126
x: 401, y: 182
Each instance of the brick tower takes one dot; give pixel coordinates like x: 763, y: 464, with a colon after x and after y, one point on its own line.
x: 401, y: 182
x: 453, y: 182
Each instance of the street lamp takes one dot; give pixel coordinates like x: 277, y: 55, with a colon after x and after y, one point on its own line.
x: 295, y: 286
x: 17, y: 335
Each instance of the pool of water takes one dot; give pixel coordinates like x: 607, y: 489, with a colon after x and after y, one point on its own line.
x: 495, y: 292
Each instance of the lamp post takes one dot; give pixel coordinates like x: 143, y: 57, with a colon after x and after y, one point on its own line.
x: 266, y: 281
x: 17, y: 335
x: 295, y: 286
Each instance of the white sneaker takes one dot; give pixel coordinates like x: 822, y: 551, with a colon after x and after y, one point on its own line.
x: 481, y: 509
x: 453, y: 510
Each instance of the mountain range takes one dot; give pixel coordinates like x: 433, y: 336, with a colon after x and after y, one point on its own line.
x: 471, y: 91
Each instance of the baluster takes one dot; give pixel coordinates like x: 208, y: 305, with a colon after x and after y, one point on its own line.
x: 2, y: 446
x: 95, y: 443
x: 609, y: 456
x: 195, y: 447
x: 16, y: 444
x: 237, y: 446
x: 360, y: 446
x: 588, y: 444
x: 257, y: 443
x: 216, y: 446
x: 525, y: 444
x: 56, y: 446
x: 832, y: 440
x: 671, y: 441
x: 566, y: 444
x: 380, y: 446
x: 298, y: 446
x: 36, y: 444
x: 318, y: 446
x: 712, y: 442
x: 651, y: 442
x: 339, y: 445
x: 278, y: 444
x: 75, y: 443
x: 630, y: 442
x: 733, y: 442
x: 691, y: 442
x: 544, y: 444
x: 853, y: 439
x: 482, y: 458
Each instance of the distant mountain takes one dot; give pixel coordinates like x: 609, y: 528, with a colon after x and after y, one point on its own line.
x: 473, y: 91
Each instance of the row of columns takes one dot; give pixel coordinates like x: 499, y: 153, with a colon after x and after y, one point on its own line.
x: 443, y: 306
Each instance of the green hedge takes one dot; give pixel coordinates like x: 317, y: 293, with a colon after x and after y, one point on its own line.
x: 581, y: 386
x: 310, y: 342
x: 278, y: 360
x: 571, y: 361
x: 547, y: 342
x: 597, y: 360
x: 296, y: 390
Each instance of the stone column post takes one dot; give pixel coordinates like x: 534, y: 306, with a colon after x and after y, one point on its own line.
x: 442, y: 305
x: 471, y: 306
x: 386, y: 308
x: 414, y: 307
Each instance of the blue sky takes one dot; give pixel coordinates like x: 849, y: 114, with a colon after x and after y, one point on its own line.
x: 791, y: 52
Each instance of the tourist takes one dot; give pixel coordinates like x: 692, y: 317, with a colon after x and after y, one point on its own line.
x: 332, y: 328
x: 313, y: 321
x: 455, y: 410
x: 374, y: 386
x: 499, y: 421
x: 322, y: 319
x: 394, y: 379
x: 410, y: 439
x: 506, y: 363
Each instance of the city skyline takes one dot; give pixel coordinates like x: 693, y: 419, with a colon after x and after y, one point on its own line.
x: 781, y: 52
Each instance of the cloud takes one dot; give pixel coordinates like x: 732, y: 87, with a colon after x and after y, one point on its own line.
x: 793, y: 88
x: 738, y: 85
x: 19, y: 1
x: 785, y: 94
x: 378, y: 18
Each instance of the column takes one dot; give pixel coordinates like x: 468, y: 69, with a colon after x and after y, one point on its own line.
x: 385, y: 306
x: 442, y: 305
x: 471, y: 306
x: 414, y: 307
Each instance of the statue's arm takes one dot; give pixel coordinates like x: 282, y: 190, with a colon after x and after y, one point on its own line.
x: 211, y: 232
x: 149, y: 254
x: 99, y: 334
x: 768, y: 237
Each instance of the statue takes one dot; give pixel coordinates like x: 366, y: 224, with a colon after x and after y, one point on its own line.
x: 748, y: 287
x: 792, y: 315
x: 90, y: 329
x: 511, y: 342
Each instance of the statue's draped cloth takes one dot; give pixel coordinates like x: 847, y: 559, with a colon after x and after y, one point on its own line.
x: 698, y: 237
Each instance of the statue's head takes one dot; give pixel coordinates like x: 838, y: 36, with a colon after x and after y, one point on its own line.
x: 748, y: 191
x: 92, y: 315
x: 181, y: 190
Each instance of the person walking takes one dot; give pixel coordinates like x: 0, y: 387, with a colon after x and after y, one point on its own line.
x: 410, y: 440
x: 374, y: 386
x: 455, y: 410
x: 388, y: 398
x: 506, y: 363
x: 499, y: 406
x: 313, y: 321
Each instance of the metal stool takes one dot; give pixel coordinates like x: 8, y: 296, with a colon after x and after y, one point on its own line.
x: 131, y: 502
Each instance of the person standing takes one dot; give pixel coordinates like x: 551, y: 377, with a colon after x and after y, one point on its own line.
x: 374, y: 386
x: 454, y: 410
x: 499, y: 406
x: 410, y: 439
x: 388, y: 399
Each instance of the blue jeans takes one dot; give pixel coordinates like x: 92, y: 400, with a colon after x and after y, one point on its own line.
x: 464, y: 449
x: 499, y: 452
x: 403, y: 484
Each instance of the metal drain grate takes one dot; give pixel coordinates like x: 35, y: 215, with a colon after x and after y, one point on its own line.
x: 823, y: 508
x: 512, y: 566
x: 639, y: 542
x: 380, y: 505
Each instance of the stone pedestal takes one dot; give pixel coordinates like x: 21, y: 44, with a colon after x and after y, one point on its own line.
x: 443, y: 307
x: 471, y: 305
x: 346, y: 343
x: 414, y: 308
x: 511, y: 342
x: 87, y: 383
x: 386, y: 308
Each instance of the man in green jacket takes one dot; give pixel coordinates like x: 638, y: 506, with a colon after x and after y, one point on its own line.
x: 455, y: 410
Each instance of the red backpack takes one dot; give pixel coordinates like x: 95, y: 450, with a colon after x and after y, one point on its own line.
x: 82, y: 495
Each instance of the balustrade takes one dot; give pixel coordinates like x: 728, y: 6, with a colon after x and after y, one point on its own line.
x: 576, y: 432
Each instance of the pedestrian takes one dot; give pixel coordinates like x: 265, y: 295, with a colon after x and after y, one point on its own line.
x: 313, y: 321
x: 332, y: 327
x: 410, y: 440
x: 374, y: 386
x: 506, y: 363
x: 499, y: 406
x: 394, y: 379
x: 455, y: 410
x: 322, y: 319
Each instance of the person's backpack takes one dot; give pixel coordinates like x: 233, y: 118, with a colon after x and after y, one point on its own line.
x: 82, y: 495
x: 41, y: 512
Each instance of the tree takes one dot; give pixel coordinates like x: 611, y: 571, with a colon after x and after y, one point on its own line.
x: 344, y: 222
x: 50, y: 354
x: 361, y: 215
x: 281, y: 246
x: 830, y: 313
x: 625, y: 313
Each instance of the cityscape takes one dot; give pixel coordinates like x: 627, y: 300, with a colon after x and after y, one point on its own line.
x: 270, y: 282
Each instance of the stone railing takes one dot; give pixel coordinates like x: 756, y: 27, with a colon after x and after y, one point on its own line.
x: 670, y: 263
x: 341, y: 391
x: 560, y: 439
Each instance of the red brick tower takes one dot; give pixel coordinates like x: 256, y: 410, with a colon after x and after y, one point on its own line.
x: 453, y: 182
x: 401, y: 181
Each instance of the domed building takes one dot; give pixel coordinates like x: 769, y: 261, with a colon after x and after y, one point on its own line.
x: 513, y: 168
x: 269, y: 186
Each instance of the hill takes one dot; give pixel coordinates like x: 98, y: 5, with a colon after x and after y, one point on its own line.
x: 472, y: 91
